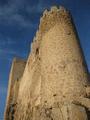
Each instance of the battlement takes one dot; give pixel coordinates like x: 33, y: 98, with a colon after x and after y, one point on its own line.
x: 52, y: 17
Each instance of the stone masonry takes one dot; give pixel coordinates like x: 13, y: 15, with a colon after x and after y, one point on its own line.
x: 54, y: 82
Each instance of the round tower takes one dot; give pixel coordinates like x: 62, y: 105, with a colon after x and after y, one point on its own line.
x: 64, y: 73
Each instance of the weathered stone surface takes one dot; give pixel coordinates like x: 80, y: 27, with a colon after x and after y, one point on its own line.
x: 55, y: 84
x: 16, y: 73
x: 74, y: 112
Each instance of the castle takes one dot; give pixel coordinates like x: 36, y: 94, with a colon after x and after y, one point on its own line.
x: 53, y: 84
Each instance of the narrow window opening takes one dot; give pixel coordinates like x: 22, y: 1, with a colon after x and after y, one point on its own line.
x: 37, y: 51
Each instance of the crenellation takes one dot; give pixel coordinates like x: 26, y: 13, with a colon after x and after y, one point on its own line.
x: 50, y: 18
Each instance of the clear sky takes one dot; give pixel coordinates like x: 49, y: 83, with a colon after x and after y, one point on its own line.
x: 19, y: 21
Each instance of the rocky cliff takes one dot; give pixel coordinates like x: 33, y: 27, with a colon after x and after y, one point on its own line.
x: 54, y: 84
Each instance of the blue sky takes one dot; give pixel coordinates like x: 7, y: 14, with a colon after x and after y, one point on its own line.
x: 19, y: 21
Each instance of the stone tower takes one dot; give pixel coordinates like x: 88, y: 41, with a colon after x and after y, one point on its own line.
x: 16, y: 73
x: 55, y: 84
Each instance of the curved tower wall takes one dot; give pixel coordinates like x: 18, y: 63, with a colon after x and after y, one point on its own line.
x: 62, y: 63
x: 30, y: 85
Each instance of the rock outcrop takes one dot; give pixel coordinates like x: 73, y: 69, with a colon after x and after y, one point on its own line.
x: 54, y: 84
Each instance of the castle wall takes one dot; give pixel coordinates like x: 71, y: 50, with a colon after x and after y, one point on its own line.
x: 16, y: 73
x: 62, y: 63
x: 30, y: 84
x: 54, y: 81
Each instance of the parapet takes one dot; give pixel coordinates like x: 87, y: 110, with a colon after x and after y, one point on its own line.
x: 52, y: 17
